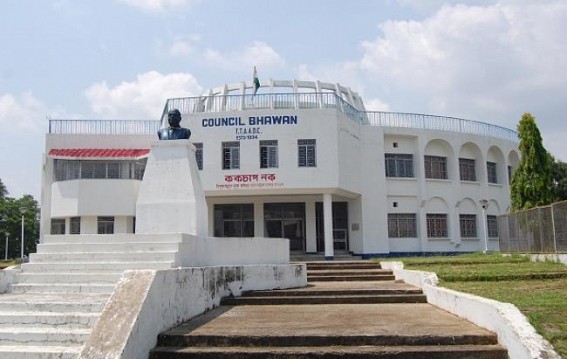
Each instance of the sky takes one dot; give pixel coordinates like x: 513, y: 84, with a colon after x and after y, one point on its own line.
x: 485, y: 60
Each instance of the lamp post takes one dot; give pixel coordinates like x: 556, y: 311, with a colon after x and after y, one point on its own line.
x: 484, y: 204
x: 23, y: 211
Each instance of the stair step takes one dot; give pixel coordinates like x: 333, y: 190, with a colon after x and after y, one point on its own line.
x: 43, y: 336
x: 36, y: 318
x: 328, y: 292
x: 339, y: 278
x: 331, y: 352
x: 110, y: 247
x: 110, y: 238
x: 63, y: 288
x: 345, y: 272
x: 69, y: 278
x: 312, y: 299
x: 52, y: 302
x: 106, y: 256
x: 39, y: 352
x: 94, y: 266
x: 345, y: 265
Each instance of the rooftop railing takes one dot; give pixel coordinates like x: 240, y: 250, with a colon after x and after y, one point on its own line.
x: 104, y: 127
x: 312, y: 100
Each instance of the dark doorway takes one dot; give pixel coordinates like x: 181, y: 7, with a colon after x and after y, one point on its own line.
x: 286, y: 220
x: 340, y: 226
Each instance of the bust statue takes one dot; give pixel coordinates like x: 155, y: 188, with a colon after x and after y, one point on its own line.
x: 174, y: 131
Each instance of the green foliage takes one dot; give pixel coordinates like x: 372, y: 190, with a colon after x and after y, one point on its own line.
x: 559, y: 171
x: 532, y: 183
x: 3, y: 190
x: 11, y: 224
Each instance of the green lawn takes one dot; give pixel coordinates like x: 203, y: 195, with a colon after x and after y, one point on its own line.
x: 539, y: 289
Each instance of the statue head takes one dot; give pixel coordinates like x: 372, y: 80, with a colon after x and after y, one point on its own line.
x: 174, y: 118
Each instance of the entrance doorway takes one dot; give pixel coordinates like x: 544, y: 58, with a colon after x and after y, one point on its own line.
x: 286, y: 220
x: 340, y: 226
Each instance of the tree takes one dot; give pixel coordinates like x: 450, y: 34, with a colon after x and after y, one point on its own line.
x: 532, y: 183
x: 559, y: 171
x: 3, y: 190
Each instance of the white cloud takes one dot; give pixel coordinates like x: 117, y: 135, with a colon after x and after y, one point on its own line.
x: 257, y: 53
x: 22, y: 112
x: 142, y: 98
x: 157, y: 5
x: 184, y: 45
x: 376, y: 105
x: 488, y: 62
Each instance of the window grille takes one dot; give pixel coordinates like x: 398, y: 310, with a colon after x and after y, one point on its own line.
x: 105, y: 225
x: 468, y: 225
x: 230, y: 155
x: 75, y: 225
x: 491, y: 172
x: 437, y: 225
x: 399, y: 165
x: 492, y: 224
x: 435, y: 167
x: 307, y: 153
x: 58, y: 226
x: 199, y: 155
x: 234, y: 220
x: 402, y: 225
x: 467, y: 169
x: 269, y: 154
x: 66, y: 170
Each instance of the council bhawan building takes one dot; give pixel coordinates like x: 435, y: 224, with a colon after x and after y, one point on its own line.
x: 303, y: 160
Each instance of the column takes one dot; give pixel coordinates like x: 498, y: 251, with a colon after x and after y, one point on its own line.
x: 328, y: 224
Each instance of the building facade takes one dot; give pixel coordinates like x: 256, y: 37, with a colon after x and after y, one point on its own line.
x: 303, y: 160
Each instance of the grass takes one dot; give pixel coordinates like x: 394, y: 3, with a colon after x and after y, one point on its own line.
x: 538, y: 289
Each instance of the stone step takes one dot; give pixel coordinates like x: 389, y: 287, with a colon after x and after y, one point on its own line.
x: 107, y: 247
x: 329, y: 292
x: 342, y: 265
x: 110, y: 238
x: 40, y: 319
x: 52, y: 302
x: 339, y: 278
x: 63, y: 288
x: 39, y: 352
x: 332, y: 352
x: 346, y: 272
x: 305, y: 340
x: 103, y: 256
x: 68, y: 278
x: 40, y: 267
x: 326, y: 299
x: 36, y: 336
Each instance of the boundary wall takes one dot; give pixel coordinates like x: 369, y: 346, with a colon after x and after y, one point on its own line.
x: 514, y: 331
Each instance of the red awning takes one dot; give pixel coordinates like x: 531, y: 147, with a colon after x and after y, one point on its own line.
x: 100, y: 152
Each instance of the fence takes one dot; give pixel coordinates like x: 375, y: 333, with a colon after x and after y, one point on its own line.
x: 536, y: 230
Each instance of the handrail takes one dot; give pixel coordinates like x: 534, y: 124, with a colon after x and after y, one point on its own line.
x: 104, y: 127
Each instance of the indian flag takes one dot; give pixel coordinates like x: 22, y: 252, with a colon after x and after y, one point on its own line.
x: 255, y: 81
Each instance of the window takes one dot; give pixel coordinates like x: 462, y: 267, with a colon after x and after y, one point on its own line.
x: 75, y: 225
x: 234, y: 220
x: 492, y: 224
x: 199, y: 155
x: 467, y: 169
x: 437, y: 225
x: 399, y: 165
x: 65, y: 170
x: 230, y: 155
x: 509, y: 174
x: 105, y: 225
x: 468, y: 225
x: 402, y: 225
x: 435, y: 167
x: 57, y: 226
x: 269, y: 154
x: 491, y: 172
x: 306, y: 153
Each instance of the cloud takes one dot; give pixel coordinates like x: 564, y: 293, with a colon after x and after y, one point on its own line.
x: 157, y: 5
x: 22, y: 112
x: 376, y: 105
x: 257, y: 53
x: 183, y: 46
x: 488, y: 58
x: 142, y: 98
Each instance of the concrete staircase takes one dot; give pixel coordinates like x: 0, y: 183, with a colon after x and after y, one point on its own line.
x: 59, y: 295
x: 348, y: 310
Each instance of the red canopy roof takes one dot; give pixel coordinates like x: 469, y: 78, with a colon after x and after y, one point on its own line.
x: 100, y: 152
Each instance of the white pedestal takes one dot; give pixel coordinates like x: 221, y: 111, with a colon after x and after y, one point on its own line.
x: 171, y: 198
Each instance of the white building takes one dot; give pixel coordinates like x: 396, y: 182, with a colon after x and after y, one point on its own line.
x: 301, y: 160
